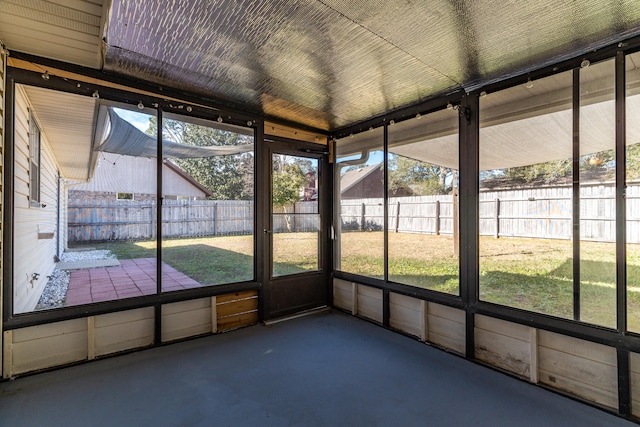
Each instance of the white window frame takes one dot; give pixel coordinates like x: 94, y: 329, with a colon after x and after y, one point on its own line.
x: 35, y: 162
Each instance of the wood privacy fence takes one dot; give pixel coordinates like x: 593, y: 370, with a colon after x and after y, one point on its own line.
x: 541, y: 212
x: 137, y: 220
x: 100, y: 219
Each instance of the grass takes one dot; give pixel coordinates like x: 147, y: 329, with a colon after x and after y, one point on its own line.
x: 531, y: 274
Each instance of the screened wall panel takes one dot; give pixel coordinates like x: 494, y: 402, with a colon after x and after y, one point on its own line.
x: 422, y: 192
x: 597, y: 165
x: 525, y: 247
x: 359, y: 192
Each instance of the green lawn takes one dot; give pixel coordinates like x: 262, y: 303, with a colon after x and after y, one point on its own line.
x: 532, y: 274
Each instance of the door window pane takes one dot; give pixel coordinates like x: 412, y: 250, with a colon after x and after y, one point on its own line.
x: 295, y: 215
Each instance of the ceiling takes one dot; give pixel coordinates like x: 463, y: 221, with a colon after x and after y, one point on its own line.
x: 321, y: 63
x: 66, y: 120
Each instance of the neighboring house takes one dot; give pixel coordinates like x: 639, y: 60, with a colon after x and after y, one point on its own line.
x: 122, y: 177
x: 310, y: 190
x: 367, y: 183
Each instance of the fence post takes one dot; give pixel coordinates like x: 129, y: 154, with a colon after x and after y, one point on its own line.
x: 437, y: 230
x: 497, y: 218
x: 362, y: 218
x: 215, y: 218
x: 397, y: 216
x: 152, y: 221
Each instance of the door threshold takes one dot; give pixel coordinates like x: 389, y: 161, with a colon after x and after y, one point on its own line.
x: 295, y: 316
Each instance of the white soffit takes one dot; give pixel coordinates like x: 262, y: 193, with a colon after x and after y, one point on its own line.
x: 65, y: 30
x: 67, y: 121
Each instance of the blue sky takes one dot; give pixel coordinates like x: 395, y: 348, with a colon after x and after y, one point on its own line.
x: 139, y: 120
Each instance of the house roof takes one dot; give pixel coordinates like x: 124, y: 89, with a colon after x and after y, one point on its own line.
x: 323, y: 63
x: 352, y: 177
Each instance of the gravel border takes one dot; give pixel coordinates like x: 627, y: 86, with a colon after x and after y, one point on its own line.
x: 54, y: 293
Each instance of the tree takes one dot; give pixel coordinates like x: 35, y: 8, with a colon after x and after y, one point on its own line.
x: 227, y: 177
x: 289, y: 178
x: 422, y: 178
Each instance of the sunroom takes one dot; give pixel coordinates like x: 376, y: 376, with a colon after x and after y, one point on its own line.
x: 465, y: 174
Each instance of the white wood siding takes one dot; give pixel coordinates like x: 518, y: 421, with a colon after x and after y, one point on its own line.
x: 32, y: 252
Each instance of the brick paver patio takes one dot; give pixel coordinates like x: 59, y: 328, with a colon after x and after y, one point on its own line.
x: 133, y: 278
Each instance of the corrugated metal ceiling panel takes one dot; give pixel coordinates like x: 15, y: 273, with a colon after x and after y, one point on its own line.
x: 328, y: 63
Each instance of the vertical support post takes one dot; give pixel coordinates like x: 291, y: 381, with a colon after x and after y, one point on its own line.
x: 157, y: 336
x: 362, y: 217
x: 7, y: 351
x: 469, y: 125
x: 576, y: 194
x: 624, y: 381
x: 497, y: 218
x: 424, y: 327
x: 91, y: 338
x: 214, y: 315
x: 3, y: 193
x: 354, y: 293
x: 386, y: 309
x: 533, y: 352
x: 621, y: 202
x: 215, y: 218
x: 385, y: 213
x: 397, y: 216
x: 437, y: 220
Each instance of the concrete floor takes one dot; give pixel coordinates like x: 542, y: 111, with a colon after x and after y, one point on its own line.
x: 326, y: 369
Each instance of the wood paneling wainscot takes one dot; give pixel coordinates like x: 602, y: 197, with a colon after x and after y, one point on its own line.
x: 121, y: 331
x: 236, y: 310
x: 186, y: 319
x: 343, y: 294
x: 407, y: 314
x: 504, y: 344
x: 446, y: 327
x: 39, y: 347
x: 369, y: 303
x: 634, y: 377
x: 580, y: 367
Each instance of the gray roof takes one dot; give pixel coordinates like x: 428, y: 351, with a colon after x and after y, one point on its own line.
x: 352, y: 177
